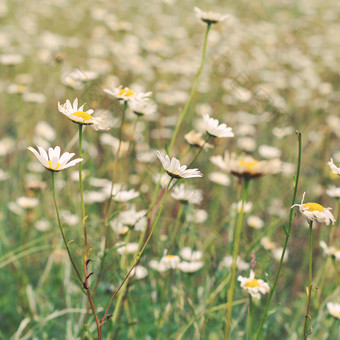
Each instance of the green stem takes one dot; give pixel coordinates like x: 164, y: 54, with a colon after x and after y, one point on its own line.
x: 237, y: 237
x: 62, y: 231
x: 109, y: 201
x: 177, y: 225
x: 193, y: 90
x: 85, y: 253
x: 286, y: 240
x: 250, y: 320
x: 140, y: 253
x: 309, y: 289
x: 82, y: 200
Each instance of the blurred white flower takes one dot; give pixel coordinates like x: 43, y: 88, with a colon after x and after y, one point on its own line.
x: 219, y: 178
x: 27, y: 202
x: 189, y: 254
x: 330, y: 251
x: 255, y: 222
x: 333, y: 191
x: 209, y: 17
x: 334, y: 309
x: 190, y: 267
x: 240, y: 264
x: 186, y: 196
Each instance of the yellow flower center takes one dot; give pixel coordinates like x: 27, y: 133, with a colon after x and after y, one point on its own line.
x: 81, y: 114
x: 253, y: 283
x: 50, y: 165
x: 170, y: 256
x: 313, y: 207
x: 248, y: 164
x: 126, y: 93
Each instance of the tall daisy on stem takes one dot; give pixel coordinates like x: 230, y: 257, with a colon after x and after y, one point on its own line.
x: 174, y: 169
x: 312, y: 212
x: 208, y: 18
x: 246, y: 169
x: 287, y: 232
x: 80, y: 117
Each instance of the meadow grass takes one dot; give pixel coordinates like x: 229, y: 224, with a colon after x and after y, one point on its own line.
x: 156, y: 250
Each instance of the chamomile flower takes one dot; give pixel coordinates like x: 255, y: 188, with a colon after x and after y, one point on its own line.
x: 125, y: 94
x: 195, y: 139
x: 314, y: 211
x: 253, y: 286
x: 77, y: 114
x: 247, y: 167
x: 209, y: 17
x: 53, y: 161
x: 214, y: 129
x: 174, y: 168
x: 142, y: 107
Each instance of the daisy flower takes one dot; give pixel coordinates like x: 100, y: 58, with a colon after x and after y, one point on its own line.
x: 126, y: 94
x: 195, y: 139
x: 314, y: 211
x: 174, y: 168
x: 77, y: 114
x: 214, y: 129
x: 209, y: 17
x: 253, y: 286
x: 142, y: 107
x: 53, y: 161
x: 247, y: 167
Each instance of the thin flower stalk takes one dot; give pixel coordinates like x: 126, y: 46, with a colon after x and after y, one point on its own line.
x: 310, y: 285
x: 85, y: 251
x: 62, y: 231
x: 139, y: 254
x: 193, y: 90
x: 236, y: 244
x: 109, y: 201
x: 287, y: 232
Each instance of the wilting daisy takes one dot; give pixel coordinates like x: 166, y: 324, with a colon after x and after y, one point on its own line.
x: 334, y: 168
x: 314, y: 211
x: 334, y: 309
x: 253, y: 286
x: 215, y: 129
x: 53, y: 161
x: 209, y: 17
x: 77, y: 114
x: 246, y: 167
x: 174, y: 168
